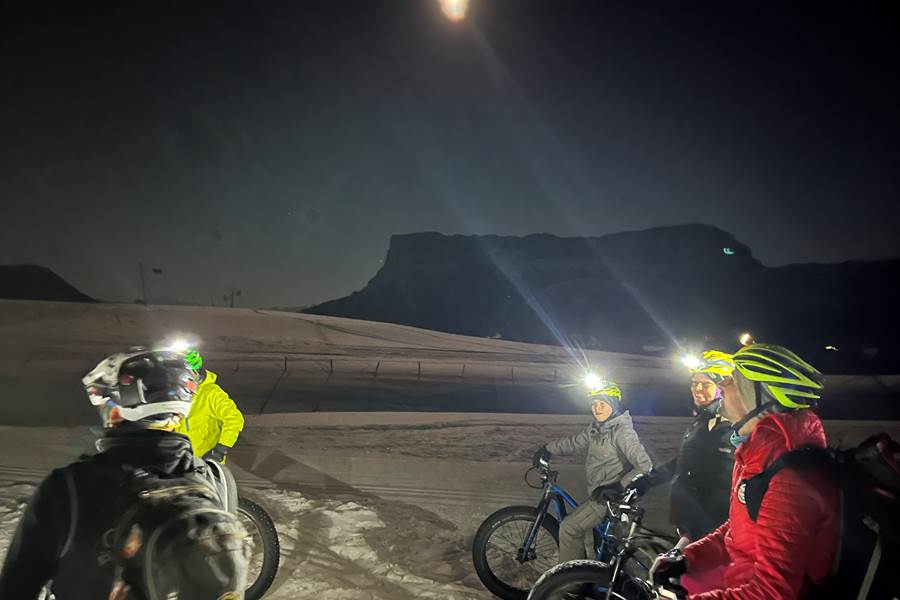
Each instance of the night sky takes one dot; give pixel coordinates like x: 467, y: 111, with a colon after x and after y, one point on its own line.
x: 278, y: 147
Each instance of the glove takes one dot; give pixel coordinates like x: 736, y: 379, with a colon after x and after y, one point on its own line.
x: 603, y: 493
x: 217, y: 454
x: 542, y: 454
x: 641, y: 483
x: 667, y: 566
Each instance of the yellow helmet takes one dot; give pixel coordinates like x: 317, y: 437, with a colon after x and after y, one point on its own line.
x: 785, y: 377
x: 605, y: 388
x: 714, y: 363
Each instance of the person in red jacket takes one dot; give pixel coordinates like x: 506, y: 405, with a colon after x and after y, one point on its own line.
x: 790, y: 546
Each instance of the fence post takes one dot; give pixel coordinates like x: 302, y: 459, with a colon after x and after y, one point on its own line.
x: 512, y: 374
x: 420, y: 369
x: 377, y: 366
x: 285, y: 364
x: 462, y: 374
x: 330, y: 365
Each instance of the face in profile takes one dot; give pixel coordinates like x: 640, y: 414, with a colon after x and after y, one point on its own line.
x: 602, y: 410
x: 703, y: 390
x: 733, y: 407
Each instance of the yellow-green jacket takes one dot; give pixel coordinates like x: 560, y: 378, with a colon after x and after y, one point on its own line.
x: 214, y: 419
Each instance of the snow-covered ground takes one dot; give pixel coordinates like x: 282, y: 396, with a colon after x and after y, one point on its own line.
x: 281, y: 362
x: 375, y: 505
x: 275, y: 362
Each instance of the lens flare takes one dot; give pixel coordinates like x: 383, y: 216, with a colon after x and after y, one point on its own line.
x: 592, y: 381
x: 691, y: 362
x: 455, y: 10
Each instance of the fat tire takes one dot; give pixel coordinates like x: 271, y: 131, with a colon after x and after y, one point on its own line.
x: 570, y: 575
x: 651, y: 547
x: 479, y: 547
x: 271, y: 547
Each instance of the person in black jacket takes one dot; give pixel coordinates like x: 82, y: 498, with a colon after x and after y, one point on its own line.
x: 63, y: 539
x: 701, y: 471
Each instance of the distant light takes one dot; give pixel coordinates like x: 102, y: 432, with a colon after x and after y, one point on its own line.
x: 691, y: 362
x: 831, y: 348
x: 727, y: 251
x: 455, y: 10
x: 745, y: 338
x: 592, y: 381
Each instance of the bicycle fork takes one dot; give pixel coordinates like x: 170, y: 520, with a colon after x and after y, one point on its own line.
x: 617, y: 567
x: 525, y: 551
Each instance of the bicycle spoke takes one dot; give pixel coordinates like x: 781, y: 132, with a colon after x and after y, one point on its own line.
x: 502, y: 549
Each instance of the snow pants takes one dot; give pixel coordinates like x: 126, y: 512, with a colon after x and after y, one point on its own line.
x: 576, y: 527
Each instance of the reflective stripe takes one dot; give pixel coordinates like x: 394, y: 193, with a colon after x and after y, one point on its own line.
x: 874, y: 561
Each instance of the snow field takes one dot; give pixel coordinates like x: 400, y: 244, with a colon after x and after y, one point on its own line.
x: 334, y: 549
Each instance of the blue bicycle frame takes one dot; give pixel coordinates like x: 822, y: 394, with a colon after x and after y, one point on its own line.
x: 558, y: 500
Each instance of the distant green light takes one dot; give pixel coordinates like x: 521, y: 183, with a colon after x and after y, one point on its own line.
x: 727, y: 251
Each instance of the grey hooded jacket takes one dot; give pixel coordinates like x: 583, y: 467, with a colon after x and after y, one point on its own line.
x: 613, y: 450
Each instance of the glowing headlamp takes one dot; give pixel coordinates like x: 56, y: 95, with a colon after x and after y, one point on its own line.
x: 592, y: 381
x: 691, y: 362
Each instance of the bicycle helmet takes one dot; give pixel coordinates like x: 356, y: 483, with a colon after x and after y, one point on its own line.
x: 781, y: 379
x: 194, y: 360
x: 603, y: 390
x: 714, y: 364
x: 141, y: 385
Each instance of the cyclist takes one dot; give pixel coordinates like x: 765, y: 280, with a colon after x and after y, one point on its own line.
x: 64, y: 535
x: 701, y: 472
x: 215, y: 421
x: 791, y: 544
x: 613, y: 450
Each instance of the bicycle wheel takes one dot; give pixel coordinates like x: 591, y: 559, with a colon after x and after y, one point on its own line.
x: 497, y: 542
x: 588, y: 577
x: 266, y: 548
x: 644, y: 551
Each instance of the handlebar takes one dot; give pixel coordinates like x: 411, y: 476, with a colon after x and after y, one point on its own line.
x: 547, y: 476
x: 624, y: 505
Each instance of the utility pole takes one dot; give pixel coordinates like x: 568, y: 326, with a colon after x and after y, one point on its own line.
x: 234, y: 292
x: 143, y: 284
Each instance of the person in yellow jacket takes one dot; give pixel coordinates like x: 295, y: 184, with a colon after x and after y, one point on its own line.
x: 215, y: 421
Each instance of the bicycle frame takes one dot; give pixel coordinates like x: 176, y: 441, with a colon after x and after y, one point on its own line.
x: 561, y: 502
x: 554, y: 497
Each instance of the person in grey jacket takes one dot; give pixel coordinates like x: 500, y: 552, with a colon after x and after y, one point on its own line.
x: 613, y: 450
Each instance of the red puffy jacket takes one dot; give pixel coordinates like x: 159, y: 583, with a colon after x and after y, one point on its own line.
x: 793, y: 540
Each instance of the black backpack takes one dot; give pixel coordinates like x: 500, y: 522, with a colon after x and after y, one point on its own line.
x: 869, y: 480
x: 175, y: 541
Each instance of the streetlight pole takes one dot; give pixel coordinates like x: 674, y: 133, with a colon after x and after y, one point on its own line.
x: 143, y: 283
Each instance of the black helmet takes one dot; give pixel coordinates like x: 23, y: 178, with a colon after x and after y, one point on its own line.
x: 141, y: 384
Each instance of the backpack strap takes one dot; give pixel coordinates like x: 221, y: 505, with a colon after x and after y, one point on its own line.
x: 753, y: 489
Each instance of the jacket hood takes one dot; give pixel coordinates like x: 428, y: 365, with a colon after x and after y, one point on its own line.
x: 159, y: 451
x: 781, y: 432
